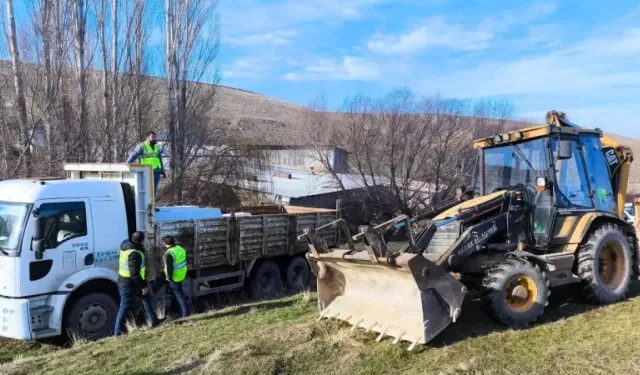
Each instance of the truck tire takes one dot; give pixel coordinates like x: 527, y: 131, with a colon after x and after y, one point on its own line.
x: 604, y: 265
x: 91, y: 317
x: 515, y: 292
x: 298, y: 272
x: 266, y: 282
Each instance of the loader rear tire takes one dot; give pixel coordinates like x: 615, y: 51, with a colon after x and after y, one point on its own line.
x: 266, y: 282
x: 516, y: 292
x: 604, y: 265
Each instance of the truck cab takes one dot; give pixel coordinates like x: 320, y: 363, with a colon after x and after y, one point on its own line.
x: 59, y: 246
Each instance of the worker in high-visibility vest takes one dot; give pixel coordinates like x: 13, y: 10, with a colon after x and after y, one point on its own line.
x: 149, y: 153
x: 132, y: 282
x: 175, y: 270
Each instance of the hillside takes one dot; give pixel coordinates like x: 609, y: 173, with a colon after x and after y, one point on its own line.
x: 276, y: 122
x: 284, y: 337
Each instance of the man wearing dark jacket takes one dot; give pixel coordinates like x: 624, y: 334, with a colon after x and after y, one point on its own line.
x: 131, y: 280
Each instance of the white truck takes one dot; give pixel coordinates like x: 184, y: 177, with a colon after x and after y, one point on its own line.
x: 60, y: 241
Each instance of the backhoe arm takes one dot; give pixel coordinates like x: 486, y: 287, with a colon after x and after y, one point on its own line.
x: 619, y: 159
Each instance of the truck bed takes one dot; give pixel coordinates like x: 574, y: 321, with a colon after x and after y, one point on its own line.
x: 228, y: 241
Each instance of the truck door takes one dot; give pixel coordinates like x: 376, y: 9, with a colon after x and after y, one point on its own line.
x: 67, y: 238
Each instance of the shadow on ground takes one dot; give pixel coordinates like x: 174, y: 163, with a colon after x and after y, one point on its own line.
x: 263, y: 305
x: 474, y: 322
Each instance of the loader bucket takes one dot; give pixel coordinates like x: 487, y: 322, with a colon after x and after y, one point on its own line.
x: 412, y: 300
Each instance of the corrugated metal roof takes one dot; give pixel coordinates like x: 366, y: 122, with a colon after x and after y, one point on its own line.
x: 306, y: 182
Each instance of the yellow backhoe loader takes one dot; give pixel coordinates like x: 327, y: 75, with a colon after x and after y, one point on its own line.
x: 546, y: 208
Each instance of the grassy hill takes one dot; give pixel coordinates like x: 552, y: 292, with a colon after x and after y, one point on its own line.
x: 284, y: 337
x: 270, y: 121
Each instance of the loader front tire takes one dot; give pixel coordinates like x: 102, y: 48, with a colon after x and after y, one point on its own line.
x: 604, y: 265
x: 515, y: 292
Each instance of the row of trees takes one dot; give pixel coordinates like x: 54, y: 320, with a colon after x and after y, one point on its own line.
x: 78, y: 87
x: 418, y: 148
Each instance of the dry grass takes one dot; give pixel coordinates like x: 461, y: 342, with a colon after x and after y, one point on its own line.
x: 283, y: 337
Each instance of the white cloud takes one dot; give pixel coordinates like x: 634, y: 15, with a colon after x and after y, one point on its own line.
x: 437, y: 32
x: 242, y: 17
x: 250, y: 67
x: 349, y: 68
x: 280, y: 37
x: 434, y: 33
x: 598, y: 63
x: 547, y: 35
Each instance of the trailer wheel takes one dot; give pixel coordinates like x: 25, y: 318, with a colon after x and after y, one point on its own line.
x: 92, y: 317
x: 297, y: 276
x: 266, y: 281
x: 604, y: 265
x: 516, y: 292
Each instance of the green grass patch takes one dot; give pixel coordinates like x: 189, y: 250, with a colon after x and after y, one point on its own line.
x: 283, y: 337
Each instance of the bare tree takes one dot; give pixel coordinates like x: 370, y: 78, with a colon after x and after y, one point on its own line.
x: 21, y: 106
x: 115, y: 67
x: 101, y: 15
x: 404, y: 150
x: 191, y: 50
x: 79, y: 20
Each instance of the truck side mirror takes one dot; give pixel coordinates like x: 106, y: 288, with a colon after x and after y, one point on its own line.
x: 564, y: 150
x: 37, y: 237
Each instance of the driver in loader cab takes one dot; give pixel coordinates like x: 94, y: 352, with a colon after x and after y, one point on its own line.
x: 131, y: 281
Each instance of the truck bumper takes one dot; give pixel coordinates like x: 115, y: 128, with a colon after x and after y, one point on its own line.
x: 14, y: 318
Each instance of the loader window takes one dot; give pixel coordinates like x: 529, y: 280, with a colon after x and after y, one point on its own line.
x: 573, y: 189
x: 598, y: 173
x: 512, y: 164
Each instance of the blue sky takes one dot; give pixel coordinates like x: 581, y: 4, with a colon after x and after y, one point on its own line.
x: 582, y: 57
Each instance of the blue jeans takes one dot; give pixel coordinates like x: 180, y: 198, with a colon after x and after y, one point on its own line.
x: 127, y: 296
x: 156, y: 180
x: 176, y: 288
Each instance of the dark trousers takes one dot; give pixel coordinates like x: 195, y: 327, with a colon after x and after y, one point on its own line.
x: 156, y: 180
x: 127, y: 298
x: 176, y: 288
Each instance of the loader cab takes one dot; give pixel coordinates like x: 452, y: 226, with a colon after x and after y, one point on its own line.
x: 563, y: 170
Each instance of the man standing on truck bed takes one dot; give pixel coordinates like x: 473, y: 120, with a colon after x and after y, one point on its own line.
x: 175, y: 270
x: 131, y: 281
x: 149, y: 154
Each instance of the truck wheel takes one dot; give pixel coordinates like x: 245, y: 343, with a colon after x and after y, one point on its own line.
x: 92, y: 317
x: 516, y: 292
x: 297, y: 274
x: 266, y: 281
x: 604, y: 265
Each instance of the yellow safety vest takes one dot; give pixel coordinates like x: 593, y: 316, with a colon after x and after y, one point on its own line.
x: 179, y: 256
x: 150, y: 156
x: 124, y: 264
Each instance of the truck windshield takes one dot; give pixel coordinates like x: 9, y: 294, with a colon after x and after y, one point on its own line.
x: 12, y: 219
x: 512, y: 164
